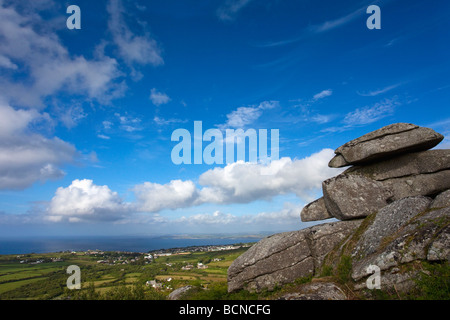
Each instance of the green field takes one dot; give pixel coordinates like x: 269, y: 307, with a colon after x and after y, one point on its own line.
x: 118, y: 276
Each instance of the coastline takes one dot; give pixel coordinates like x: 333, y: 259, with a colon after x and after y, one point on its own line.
x: 42, y: 245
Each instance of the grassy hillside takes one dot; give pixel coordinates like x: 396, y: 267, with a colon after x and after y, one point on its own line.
x: 111, y: 275
x: 120, y: 275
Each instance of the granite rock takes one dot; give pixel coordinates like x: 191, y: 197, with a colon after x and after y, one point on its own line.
x: 386, y: 142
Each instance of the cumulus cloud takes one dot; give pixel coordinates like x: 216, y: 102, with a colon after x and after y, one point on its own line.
x: 27, y: 157
x: 84, y: 201
x: 289, y: 214
x: 154, y: 197
x: 141, y: 49
x: 243, y: 182
x: 158, y: 98
x: 127, y: 123
x: 240, y: 182
x: 30, y: 49
x: 323, y: 94
x: 244, y: 116
x: 6, y: 63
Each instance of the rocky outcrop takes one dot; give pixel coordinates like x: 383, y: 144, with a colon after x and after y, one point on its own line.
x: 277, y: 259
x: 284, y: 257
x: 388, y: 221
x: 362, y: 190
x: 316, y: 291
x: 179, y: 293
x: 354, y: 196
x: 394, y: 207
x: 442, y: 200
x: 402, y: 233
x: 386, y: 142
x: 315, y: 211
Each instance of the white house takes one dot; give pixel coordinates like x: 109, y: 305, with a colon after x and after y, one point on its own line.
x: 153, y: 284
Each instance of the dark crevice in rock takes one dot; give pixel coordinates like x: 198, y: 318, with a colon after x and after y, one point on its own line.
x: 413, y: 175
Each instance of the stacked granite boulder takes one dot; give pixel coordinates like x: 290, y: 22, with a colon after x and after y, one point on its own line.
x: 388, y: 164
x: 392, y: 206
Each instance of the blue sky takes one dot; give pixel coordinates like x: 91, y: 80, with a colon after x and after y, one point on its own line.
x: 86, y: 116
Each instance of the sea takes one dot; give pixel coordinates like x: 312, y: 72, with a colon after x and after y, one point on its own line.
x: 130, y: 244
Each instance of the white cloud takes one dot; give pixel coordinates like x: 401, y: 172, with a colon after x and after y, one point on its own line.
x: 104, y: 137
x: 230, y: 9
x: 320, y: 118
x: 244, y: 182
x: 372, y: 113
x: 107, y: 124
x: 158, y: 98
x: 14, y: 121
x: 244, y: 116
x: 217, y: 221
x: 379, y: 91
x: 70, y: 116
x: 266, y: 105
x: 216, y: 218
x: 127, y: 123
x: 47, y: 64
x: 122, y: 124
x: 323, y: 94
x: 240, y: 182
x: 27, y: 157
x: 141, y: 49
x: 84, y: 201
x: 6, y: 63
x: 289, y: 214
x: 154, y: 197
x: 287, y: 217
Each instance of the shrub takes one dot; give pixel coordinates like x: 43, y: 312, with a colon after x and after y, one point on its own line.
x: 344, y: 269
x: 434, y: 282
